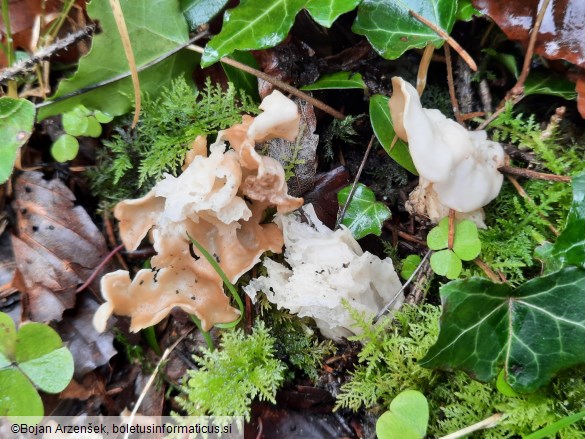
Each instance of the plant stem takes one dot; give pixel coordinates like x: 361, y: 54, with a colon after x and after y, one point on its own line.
x: 451, y: 85
x: 99, y: 268
x: 451, y: 235
x: 490, y: 422
x: 521, y: 172
x: 10, y: 57
x: 423, y: 68
x: 276, y: 82
x: 56, y: 26
x: 204, y: 334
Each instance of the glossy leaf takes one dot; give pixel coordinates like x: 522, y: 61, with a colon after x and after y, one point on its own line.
x: 364, y: 215
x: 407, y: 418
x: 409, y: 264
x: 339, y: 80
x: 17, y: 117
x: 384, y: 131
x: 446, y: 263
x: 19, y: 397
x: 534, y: 331
x: 569, y: 248
x: 540, y: 83
x: 252, y: 25
x: 325, y: 12
x: 155, y: 28
x: 198, y: 12
x: 503, y: 387
x: 465, y: 10
x: 65, y: 148
x: 391, y: 30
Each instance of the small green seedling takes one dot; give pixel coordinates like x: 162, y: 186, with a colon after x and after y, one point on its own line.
x: 364, y: 215
x: 78, y: 122
x: 466, y: 247
x: 409, y: 265
x: 30, y: 359
x: 407, y: 418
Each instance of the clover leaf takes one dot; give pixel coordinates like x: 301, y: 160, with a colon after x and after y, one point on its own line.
x: 30, y: 359
x: 407, y: 418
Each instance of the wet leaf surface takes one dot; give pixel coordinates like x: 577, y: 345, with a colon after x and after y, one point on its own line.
x: 56, y: 247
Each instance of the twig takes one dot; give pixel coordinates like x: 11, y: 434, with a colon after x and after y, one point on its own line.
x: 99, y: 268
x: 276, y: 82
x: 490, y: 422
x: 487, y: 270
x: 127, y: 45
x: 354, y: 185
x: 519, y: 87
x: 452, y: 94
x: 403, y: 234
x: 451, y: 235
x: 125, y: 74
x: 527, y: 173
x: 450, y: 40
x: 408, y: 281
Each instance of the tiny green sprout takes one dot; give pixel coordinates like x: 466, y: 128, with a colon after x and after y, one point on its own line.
x: 407, y: 418
x: 80, y: 121
x: 466, y: 247
x: 31, y: 358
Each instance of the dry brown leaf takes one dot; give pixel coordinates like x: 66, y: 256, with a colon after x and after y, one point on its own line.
x: 56, y: 246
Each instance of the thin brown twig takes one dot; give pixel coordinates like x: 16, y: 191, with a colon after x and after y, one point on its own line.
x: 276, y: 82
x: 403, y: 234
x: 487, y: 270
x: 451, y: 235
x: 452, y: 94
x: 423, y: 68
x: 534, y: 175
x: 99, y: 268
x: 355, y: 182
x: 519, y: 87
x: 449, y: 39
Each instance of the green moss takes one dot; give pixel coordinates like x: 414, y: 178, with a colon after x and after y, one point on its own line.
x: 133, y: 161
x: 230, y: 377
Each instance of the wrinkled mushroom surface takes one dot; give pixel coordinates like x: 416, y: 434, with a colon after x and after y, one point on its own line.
x: 207, y: 202
x: 326, y: 267
x: 458, y: 168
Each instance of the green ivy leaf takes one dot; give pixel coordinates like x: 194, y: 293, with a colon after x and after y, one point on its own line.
x: 17, y: 117
x: 569, y: 248
x: 389, y: 27
x: 466, y: 11
x: 155, y: 28
x: 364, y: 215
x: 339, y: 80
x: 252, y: 25
x: 243, y: 80
x: 19, y: 397
x: 540, y: 83
x: 409, y: 264
x: 325, y: 12
x: 446, y: 263
x: 65, y: 148
x: 384, y: 131
x: 198, y: 12
x: 407, y: 418
x: 534, y: 331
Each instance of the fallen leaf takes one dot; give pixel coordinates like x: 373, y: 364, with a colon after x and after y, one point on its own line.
x: 56, y: 247
x: 323, y: 196
x: 92, y: 384
x: 299, y: 154
x: 7, y: 266
x: 90, y: 348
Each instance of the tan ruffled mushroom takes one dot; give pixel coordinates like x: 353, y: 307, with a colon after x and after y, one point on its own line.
x: 458, y: 168
x: 207, y: 202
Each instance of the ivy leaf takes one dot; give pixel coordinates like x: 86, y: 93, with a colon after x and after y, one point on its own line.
x: 384, y: 131
x: 407, y: 418
x: 325, y: 12
x: 540, y: 83
x: 17, y: 117
x: 243, y: 80
x: 569, y: 248
x: 534, y: 331
x: 466, y: 11
x: 364, y: 215
x: 446, y: 263
x: 391, y: 30
x: 339, y: 80
x: 252, y: 25
x: 198, y: 12
x: 155, y: 28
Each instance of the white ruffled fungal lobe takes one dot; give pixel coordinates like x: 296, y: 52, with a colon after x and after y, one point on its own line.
x: 326, y: 267
x: 207, y: 202
x: 458, y: 168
